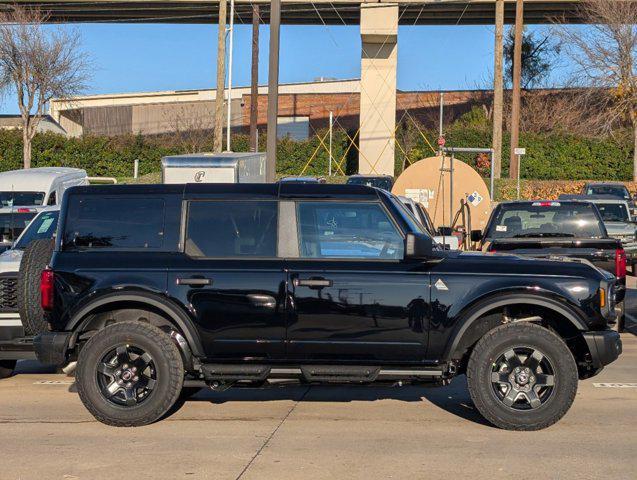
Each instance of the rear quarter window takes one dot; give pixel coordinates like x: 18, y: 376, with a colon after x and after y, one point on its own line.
x: 120, y: 223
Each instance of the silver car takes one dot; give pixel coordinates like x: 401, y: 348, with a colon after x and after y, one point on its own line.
x: 43, y: 225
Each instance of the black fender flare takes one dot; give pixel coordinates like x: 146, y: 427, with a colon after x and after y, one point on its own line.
x: 169, y: 308
x: 472, y: 315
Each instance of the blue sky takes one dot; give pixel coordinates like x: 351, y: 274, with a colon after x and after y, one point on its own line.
x: 130, y: 58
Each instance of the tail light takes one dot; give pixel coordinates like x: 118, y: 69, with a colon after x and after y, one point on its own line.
x: 47, y: 279
x: 620, y: 263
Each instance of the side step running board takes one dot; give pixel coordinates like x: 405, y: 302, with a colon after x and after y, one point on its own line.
x: 317, y: 373
x: 339, y: 373
x: 223, y: 372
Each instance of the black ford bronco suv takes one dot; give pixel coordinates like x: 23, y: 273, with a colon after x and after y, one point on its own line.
x: 158, y: 290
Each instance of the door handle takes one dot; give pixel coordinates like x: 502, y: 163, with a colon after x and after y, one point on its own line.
x: 312, y: 282
x: 194, y: 282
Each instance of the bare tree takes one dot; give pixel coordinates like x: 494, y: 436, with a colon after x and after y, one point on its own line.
x: 38, y: 64
x: 604, y: 55
x: 191, y: 126
x: 539, y: 54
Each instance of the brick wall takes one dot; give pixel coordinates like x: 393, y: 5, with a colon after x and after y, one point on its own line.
x: 423, y: 106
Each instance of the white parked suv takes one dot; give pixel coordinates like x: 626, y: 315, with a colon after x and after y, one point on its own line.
x: 23, y: 193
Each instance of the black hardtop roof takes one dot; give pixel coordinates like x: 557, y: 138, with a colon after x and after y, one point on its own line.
x: 591, y: 198
x: 245, y: 190
x: 531, y: 202
x: 610, y: 183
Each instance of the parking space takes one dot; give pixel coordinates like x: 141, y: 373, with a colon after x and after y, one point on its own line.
x: 293, y: 431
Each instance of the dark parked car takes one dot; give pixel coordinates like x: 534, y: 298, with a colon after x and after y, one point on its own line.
x: 157, y: 287
x: 547, y: 228
x: 619, y: 223
x: 613, y: 189
x: 385, y: 182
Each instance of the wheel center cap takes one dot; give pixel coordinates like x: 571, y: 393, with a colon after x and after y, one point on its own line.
x: 522, y: 378
x: 127, y: 375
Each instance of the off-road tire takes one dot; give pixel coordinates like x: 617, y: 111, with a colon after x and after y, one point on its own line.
x: 169, y: 368
x: 36, y: 257
x: 514, y: 335
x: 7, y: 367
x: 621, y: 319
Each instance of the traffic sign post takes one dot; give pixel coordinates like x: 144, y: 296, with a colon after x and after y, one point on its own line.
x: 519, y: 152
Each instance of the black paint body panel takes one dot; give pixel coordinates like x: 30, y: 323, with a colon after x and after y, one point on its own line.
x: 405, y: 312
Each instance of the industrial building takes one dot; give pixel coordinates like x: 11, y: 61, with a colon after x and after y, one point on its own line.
x: 303, y: 109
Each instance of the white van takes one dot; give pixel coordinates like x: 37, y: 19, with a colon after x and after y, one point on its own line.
x: 38, y: 186
x: 24, y: 193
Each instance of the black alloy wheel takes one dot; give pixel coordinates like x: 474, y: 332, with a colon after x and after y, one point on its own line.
x: 523, y: 378
x: 127, y: 375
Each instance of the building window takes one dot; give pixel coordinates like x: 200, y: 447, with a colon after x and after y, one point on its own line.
x: 296, y: 128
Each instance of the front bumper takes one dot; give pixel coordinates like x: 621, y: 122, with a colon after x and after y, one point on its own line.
x: 605, y: 347
x: 51, y: 347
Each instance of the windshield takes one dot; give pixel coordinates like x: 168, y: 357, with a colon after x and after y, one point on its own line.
x: 12, y: 225
x: 378, y: 182
x: 545, y: 219
x: 428, y: 223
x: 613, y: 212
x: 615, y: 190
x: 43, y: 226
x: 23, y: 199
x: 406, y: 214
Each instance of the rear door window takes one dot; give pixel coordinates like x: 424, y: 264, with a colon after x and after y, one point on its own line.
x: 122, y: 223
x: 230, y: 229
x: 347, y: 230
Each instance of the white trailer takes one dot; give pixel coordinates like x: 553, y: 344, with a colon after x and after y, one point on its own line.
x: 227, y: 167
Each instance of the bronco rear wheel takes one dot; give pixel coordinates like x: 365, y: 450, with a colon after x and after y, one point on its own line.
x: 129, y: 374
x: 522, y: 377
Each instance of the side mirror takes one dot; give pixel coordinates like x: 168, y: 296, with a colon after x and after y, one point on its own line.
x: 418, y: 246
x: 476, y: 235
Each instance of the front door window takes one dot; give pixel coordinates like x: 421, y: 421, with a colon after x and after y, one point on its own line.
x: 347, y: 230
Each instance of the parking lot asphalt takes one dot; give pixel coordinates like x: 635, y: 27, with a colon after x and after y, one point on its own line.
x: 295, y: 431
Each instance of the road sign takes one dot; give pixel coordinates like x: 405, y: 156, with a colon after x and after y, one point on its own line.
x: 519, y: 151
x: 441, y: 141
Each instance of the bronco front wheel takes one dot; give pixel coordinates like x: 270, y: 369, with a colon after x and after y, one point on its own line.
x: 129, y: 374
x: 522, y: 377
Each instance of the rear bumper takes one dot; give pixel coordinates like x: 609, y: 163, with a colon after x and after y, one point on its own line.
x: 51, y: 347
x: 605, y: 346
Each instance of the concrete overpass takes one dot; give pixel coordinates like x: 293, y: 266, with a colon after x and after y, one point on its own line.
x: 293, y: 12
x: 378, y: 20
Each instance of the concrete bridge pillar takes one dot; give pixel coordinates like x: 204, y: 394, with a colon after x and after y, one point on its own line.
x: 379, y: 36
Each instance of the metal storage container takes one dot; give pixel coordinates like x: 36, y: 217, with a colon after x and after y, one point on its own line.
x: 227, y: 167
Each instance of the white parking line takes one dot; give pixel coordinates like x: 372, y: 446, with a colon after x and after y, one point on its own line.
x: 54, y: 382
x: 615, y: 385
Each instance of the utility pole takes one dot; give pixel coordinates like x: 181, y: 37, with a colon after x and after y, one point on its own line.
x: 221, y: 79
x: 517, y: 73
x: 498, y: 90
x: 254, y: 81
x: 273, y: 90
x: 229, y: 101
